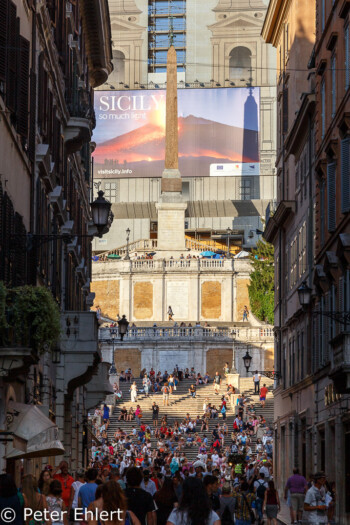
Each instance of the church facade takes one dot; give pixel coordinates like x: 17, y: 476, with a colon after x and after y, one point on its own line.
x: 218, y: 45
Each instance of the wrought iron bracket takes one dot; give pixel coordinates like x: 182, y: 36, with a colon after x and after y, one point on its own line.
x: 340, y: 317
x: 35, y: 240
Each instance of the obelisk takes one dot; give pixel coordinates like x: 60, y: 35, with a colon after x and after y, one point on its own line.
x: 171, y: 208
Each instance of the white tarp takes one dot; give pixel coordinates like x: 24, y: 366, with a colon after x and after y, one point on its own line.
x: 34, y: 430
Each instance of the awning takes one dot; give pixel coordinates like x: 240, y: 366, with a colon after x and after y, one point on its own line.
x: 35, y: 435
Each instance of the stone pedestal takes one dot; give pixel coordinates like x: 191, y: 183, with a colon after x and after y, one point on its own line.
x: 171, y: 223
x: 233, y: 379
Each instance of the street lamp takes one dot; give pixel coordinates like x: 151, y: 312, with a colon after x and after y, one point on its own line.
x: 247, y: 359
x: 123, y: 324
x: 100, y: 209
x: 304, y: 293
x: 229, y: 231
x: 127, y: 256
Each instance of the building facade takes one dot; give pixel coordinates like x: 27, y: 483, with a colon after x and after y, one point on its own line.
x: 309, y: 230
x: 52, y: 55
x: 218, y: 45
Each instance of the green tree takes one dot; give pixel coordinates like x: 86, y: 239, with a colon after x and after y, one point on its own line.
x: 261, y: 288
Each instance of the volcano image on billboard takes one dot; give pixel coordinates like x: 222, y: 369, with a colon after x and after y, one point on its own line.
x: 218, y: 132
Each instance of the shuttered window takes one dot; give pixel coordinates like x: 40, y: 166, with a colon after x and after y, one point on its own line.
x: 331, y: 206
x: 323, y: 108
x: 23, y: 79
x: 341, y: 294
x: 285, y: 111
x: 347, y: 57
x: 11, y: 80
x: 322, y: 214
x: 3, y: 42
x: 334, y: 84
x: 345, y: 174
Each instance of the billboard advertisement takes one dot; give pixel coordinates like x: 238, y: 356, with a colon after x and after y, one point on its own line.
x: 218, y: 132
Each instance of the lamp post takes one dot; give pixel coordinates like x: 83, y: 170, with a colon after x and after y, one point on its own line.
x: 127, y: 256
x: 304, y: 293
x: 100, y: 209
x: 229, y: 231
x: 102, y: 217
x: 123, y: 324
x: 247, y: 359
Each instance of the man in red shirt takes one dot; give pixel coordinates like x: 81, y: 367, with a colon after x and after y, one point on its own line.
x: 263, y: 394
x: 66, y: 481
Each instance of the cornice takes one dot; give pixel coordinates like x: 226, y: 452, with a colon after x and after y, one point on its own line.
x: 275, y: 15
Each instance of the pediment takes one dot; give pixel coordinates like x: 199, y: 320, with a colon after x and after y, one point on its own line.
x: 240, y: 5
x: 237, y: 21
x: 123, y: 7
x: 124, y: 25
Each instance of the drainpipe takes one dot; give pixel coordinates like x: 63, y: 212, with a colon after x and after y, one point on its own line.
x: 33, y: 109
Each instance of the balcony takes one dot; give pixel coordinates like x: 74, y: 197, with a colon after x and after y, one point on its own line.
x: 58, y: 204
x: 77, y: 132
x: 46, y: 168
x: 79, y: 347
x: 340, y: 372
x: 97, y: 31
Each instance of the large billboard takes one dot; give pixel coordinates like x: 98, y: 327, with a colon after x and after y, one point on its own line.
x: 218, y: 132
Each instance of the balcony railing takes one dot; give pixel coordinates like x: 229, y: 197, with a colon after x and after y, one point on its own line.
x: 174, y: 265
x: 140, y: 333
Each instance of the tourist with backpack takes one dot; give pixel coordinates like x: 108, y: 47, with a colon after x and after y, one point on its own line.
x: 227, y: 505
x: 260, y: 487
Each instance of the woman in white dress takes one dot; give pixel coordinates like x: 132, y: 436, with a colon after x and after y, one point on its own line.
x: 133, y: 392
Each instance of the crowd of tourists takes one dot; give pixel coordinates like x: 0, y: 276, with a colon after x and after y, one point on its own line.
x: 145, y: 474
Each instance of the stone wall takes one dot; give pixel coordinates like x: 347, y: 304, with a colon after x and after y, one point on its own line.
x: 143, y: 290
x: 211, y: 300
x: 107, y: 297
x: 143, y: 300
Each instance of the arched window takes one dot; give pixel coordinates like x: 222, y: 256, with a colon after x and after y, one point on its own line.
x: 118, y: 74
x: 240, y: 63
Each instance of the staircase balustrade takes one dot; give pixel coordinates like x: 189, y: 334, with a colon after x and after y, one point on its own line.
x: 187, y: 332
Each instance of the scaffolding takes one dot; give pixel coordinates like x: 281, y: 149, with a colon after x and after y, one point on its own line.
x: 166, y: 26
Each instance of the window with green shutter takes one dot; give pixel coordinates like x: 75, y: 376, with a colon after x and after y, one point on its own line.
x: 331, y: 206
x: 345, y: 174
x: 322, y: 214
